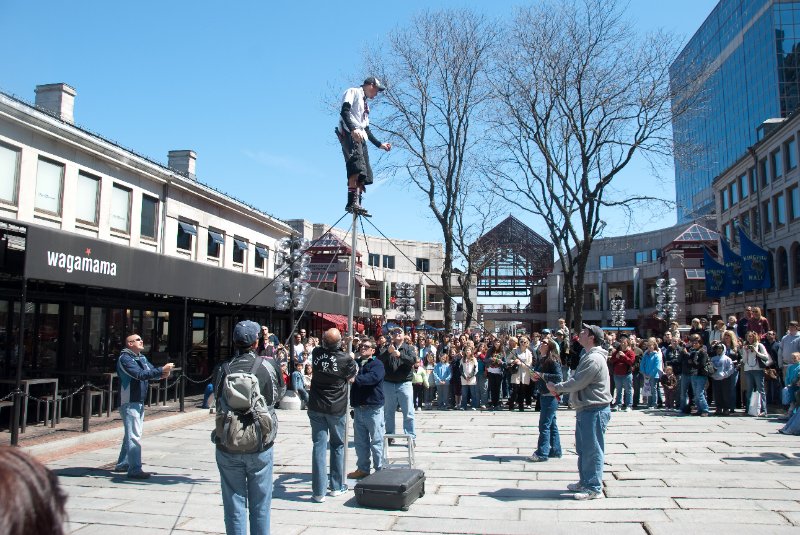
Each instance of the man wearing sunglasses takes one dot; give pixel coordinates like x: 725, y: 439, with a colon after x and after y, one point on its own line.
x: 366, y: 398
x: 135, y: 372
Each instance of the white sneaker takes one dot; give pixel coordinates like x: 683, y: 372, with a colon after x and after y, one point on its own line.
x: 574, y: 487
x: 585, y: 494
x: 627, y: 409
x: 318, y: 499
x: 335, y: 493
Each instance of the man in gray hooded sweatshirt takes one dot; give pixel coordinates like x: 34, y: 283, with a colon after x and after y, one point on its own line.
x: 590, y: 394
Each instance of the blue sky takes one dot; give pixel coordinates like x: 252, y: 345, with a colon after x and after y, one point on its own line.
x: 247, y: 85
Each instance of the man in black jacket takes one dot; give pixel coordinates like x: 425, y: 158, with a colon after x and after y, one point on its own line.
x: 366, y: 398
x: 246, y: 478
x: 398, y: 361
x: 327, y: 409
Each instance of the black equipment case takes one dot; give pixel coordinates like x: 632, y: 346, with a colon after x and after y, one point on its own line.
x: 391, y: 488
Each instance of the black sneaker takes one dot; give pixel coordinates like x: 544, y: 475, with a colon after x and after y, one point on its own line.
x: 360, y: 210
x: 139, y: 475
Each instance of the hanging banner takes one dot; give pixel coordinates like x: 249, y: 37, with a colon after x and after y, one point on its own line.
x: 733, y: 268
x: 715, y: 276
x: 755, y: 264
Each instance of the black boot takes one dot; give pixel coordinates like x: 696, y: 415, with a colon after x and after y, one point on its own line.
x: 360, y: 210
x: 351, y: 198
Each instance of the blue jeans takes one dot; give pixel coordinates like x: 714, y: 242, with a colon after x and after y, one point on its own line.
x: 471, y: 392
x: 483, y: 389
x: 303, y: 396
x: 653, y: 392
x: 734, y: 384
x: 443, y: 395
x: 698, y: 383
x: 754, y: 382
x: 566, y: 373
x: 549, y: 440
x: 368, y: 425
x: 400, y: 394
x: 130, y: 454
x: 325, y: 428
x: 684, y: 403
x: 590, y: 429
x: 624, y: 383
x: 207, y: 394
x: 246, y: 480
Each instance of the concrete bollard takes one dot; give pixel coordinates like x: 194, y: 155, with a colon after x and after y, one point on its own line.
x: 290, y: 401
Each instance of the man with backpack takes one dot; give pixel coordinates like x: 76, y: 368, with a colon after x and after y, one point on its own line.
x: 327, y: 410
x: 246, y: 391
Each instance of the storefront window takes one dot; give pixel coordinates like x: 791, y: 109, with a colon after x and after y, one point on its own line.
x: 148, y: 331
x: 75, y: 354
x: 47, y: 337
x: 96, y: 344
x: 163, y: 332
x: 6, y: 340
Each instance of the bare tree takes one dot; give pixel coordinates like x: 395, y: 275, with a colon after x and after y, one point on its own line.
x: 436, y: 72
x: 579, y: 94
x: 474, y: 217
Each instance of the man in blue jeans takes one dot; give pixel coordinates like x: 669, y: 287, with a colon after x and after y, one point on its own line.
x: 327, y: 410
x: 366, y: 398
x: 590, y: 395
x: 398, y: 363
x: 134, y: 372
x: 246, y: 477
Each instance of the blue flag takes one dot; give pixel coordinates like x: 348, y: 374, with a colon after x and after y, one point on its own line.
x: 733, y: 268
x: 755, y: 264
x: 715, y: 276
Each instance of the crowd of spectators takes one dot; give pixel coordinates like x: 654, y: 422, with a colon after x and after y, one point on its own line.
x: 711, y: 368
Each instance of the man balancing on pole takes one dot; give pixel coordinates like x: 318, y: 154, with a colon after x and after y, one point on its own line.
x: 353, y: 132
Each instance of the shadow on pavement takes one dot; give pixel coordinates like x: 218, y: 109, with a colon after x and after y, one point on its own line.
x: 772, y: 458
x: 508, y: 495
x: 499, y: 458
x: 282, y: 490
x: 155, y: 478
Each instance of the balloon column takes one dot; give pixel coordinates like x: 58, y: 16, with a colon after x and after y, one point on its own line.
x: 618, y: 312
x: 405, y: 302
x: 291, y: 264
x: 666, y: 307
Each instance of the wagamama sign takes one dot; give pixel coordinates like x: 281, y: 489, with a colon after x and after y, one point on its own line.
x: 70, y: 263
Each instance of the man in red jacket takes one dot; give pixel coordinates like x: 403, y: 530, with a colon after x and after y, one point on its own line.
x: 621, y: 364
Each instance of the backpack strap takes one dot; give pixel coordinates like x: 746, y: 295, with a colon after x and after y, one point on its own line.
x: 256, y: 364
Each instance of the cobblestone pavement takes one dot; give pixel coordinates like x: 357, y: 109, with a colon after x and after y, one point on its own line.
x: 665, y: 474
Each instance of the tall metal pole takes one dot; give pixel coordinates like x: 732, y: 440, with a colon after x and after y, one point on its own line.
x: 15, y: 423
x: 183, y: 354
x: 759, y: 179
x: 351, y: 329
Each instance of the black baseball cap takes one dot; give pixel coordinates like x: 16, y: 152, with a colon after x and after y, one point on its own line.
x: 374, y: 81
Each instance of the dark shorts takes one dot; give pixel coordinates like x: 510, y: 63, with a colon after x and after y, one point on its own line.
x: 356, y: 157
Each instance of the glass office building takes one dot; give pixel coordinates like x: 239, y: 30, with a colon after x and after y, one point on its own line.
x: 738, y: 70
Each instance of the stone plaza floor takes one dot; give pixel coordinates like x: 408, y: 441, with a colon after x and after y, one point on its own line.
x: 665, y: 474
